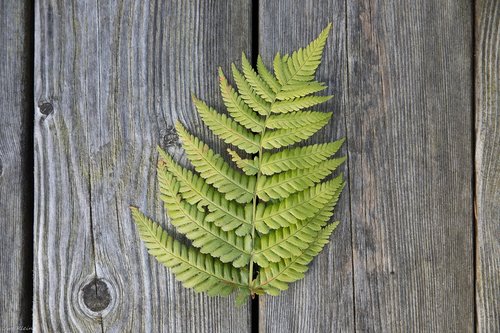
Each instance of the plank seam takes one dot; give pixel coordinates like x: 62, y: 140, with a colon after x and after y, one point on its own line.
x: 26, y: 319
x: 346, y: 50
x: 254, y: 49
x: 473, y: 161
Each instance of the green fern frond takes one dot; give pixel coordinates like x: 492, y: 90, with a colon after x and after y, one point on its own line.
x: 227, y: 129
x: 216, y: 172
x: 287, y: 242
x: 296, y: 120
x: 276, y: 277
x: 281, y: 185
x: 280, y: 70
x: 194, y: 269
x: 256, y: 82
x: 298, y: 103
x: 298, y: 158
x: 302, y: 64
x: 237, y: 108
x: 297, y: 207
x: 254, y: 224
x: 267, y: 76
x: 224, y: 213
x: 206, y: 236
x: 254, y: 101
x: 302, y: 89
x: 249, y: 167
x: 285, y: 137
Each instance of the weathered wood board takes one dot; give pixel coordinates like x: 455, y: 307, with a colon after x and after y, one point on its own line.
x: 110, y: 80
x: 409, y: 132
x: 16, y: 98
x: 323, y: 300
x: 405, y: 99
x: 488, y: 165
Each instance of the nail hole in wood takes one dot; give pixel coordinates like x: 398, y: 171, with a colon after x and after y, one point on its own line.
x: 96, y: 295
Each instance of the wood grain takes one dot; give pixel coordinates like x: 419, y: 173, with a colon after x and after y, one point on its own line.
x: 111, y: 78
x: 16, y: 98
x: 410, y: 164
x: 323, y: 300
x: 488, y: 165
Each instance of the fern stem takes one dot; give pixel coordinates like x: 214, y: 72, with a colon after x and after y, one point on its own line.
x: 254, y: 210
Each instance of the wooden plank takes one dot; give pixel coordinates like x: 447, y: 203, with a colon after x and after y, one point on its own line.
x: 488, y: 165
x: 323, y: 300
x: 111, y: 79
x: 16, y: 203
x: 409, y: 135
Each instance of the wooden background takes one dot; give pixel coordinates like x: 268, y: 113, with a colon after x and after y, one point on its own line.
x: 88, y: 89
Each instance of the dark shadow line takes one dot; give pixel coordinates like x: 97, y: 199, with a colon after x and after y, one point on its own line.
x: 27, y: 165
x: 254, y: 308
x: 254, y: 31
x: 473, y: 159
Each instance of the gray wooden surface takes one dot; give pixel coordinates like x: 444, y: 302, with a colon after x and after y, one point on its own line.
x: 488, y: 165
x: 416, y: 94
x: 409, y: 128
x: 110, y: 79
x: 15, y: 164
x: 402, y: 79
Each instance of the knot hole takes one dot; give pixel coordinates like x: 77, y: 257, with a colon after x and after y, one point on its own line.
x: 96, y: 295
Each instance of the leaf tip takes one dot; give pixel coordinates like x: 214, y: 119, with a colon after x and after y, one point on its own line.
x: 135, y: 212
x: 221, y: 73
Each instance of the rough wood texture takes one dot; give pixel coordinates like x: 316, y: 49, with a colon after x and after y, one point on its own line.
x: 15, y: 163
x: 488, y: 165
x: 323, y: 300
x: 110, y: 80
x: 410, y: 164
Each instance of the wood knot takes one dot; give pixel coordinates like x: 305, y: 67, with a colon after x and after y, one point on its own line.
x: 96, y: 295
x: 46, y: 108
x: 170, y: 138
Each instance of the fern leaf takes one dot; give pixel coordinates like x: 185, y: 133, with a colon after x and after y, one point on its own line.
x: 276, y: 277
x: 264, y: 214
x: 301, y: 89
x: 237, y: 108
x: 284, y: 137
x: 225, y: 214
x: 206, y: 236
x: 242, y: 296
x: 214, y: 170
x: 298, y: 158
x: 281, y: 185
x: 280, y: 70
x: 297, y: 207
x: 296, y: 119
x: 194, y: 269
x: 227, y: 129
x: 298, y: 103
x: 254, y: 101
x: 255, y: 81
x: 267, y: 76
x: 287, y: 242
x: 249, y: 167
x: 302, y: 64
